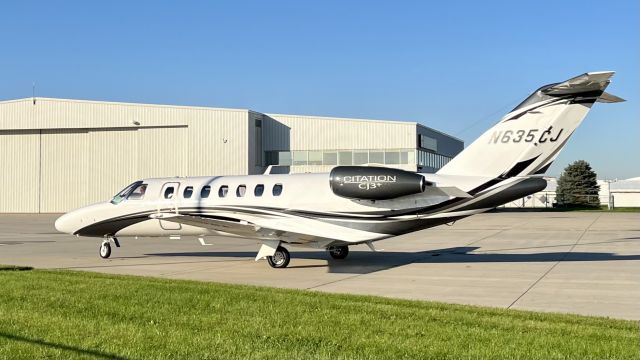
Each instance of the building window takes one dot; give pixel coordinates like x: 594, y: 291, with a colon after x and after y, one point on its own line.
x: 223, y: 191
x: 315, y: 157
x: 259, y: 189
x: 349, y: 157
x: 345, y: 158
x: 376, y: 157
x: 277, y: 190
x: 360, y: 157
x: 284, y: 158
x: 392, y: 157
x: 404, y: 157
x: 204, y: 193
x: 299, y: 158
x: 428, y: 143
x: 188, y: 191
x: 168, y: 192
x: 241, y: 190
x: 329, y: 158
x: 258, y: 142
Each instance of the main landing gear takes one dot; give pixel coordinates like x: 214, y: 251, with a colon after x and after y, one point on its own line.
x: 105, y: 247
x: 280, y: 258
x: 339, y: 252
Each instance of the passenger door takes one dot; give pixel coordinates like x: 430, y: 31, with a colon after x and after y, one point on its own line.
x: 169, y: 201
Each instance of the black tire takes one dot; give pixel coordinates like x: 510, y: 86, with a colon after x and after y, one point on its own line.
x: 105, y: 250
x: 280, y: 259
x: 339, y: 252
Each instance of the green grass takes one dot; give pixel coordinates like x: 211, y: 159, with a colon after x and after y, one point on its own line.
x: 66, y: 314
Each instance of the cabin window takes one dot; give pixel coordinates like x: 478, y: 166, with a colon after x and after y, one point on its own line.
x: 204, y: 193
x: 188, y: 191
x: 241, y: 190
x: 277, y: 189
x: 138, y: 192
x: 168, y: 192
x: 259, y: 189
x: 222, y: 192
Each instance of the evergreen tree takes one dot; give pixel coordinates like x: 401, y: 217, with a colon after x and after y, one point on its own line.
x: 578, y: 186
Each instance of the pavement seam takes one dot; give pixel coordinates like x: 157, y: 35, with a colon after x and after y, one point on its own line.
x: 556, y: 263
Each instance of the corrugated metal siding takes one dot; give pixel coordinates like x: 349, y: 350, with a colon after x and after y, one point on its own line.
x: 292, y: 132
x: 19, y: 163
x: 62, y: 113
x: 162, y: 152
x: 218, y: 143
x: 90, y: 150
x: 81, y: 168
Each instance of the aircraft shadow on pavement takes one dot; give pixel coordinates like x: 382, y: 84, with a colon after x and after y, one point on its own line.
x: 364, y: 262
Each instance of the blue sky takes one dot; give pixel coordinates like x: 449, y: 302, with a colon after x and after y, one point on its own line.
x: 456, y: 66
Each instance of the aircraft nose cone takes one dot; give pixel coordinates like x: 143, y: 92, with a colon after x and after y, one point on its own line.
x: 65, y: 224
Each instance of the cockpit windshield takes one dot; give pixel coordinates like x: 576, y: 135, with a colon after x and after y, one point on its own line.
x: 133, y: 191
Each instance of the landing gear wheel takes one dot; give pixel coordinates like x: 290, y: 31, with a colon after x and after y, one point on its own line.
x: 339, y: 252
x: 105, y: 250
x: 280, y: 258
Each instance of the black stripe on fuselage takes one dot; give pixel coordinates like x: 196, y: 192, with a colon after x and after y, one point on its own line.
x: 394, y: 225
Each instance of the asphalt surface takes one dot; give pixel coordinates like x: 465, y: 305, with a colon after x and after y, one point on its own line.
x: 575, y: 262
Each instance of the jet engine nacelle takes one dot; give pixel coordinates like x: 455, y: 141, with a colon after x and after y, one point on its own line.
x: 375, y: 183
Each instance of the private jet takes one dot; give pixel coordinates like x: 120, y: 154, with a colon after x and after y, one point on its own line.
x: 352, y: 204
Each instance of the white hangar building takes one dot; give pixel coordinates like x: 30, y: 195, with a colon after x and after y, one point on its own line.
x: 59, y: 154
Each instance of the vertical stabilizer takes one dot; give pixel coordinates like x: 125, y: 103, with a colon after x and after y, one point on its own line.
x: 528, y: 139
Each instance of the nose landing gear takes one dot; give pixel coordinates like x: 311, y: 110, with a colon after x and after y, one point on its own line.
x: 105, y: 247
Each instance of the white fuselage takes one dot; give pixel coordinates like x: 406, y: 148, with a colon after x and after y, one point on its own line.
x: 302, y: 197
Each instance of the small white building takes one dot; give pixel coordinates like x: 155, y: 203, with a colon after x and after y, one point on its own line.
x: 625, y: 193
x: 613, y: 193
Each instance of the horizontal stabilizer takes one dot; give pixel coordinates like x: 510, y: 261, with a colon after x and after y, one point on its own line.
x: 608, y: 98
x: 452, y: 191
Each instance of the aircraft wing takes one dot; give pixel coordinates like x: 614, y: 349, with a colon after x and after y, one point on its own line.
x: 293, y: 229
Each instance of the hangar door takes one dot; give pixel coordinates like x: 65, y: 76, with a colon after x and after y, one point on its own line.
x: 81, y: 167
x: 19, y: 162
x: 63, y: 169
